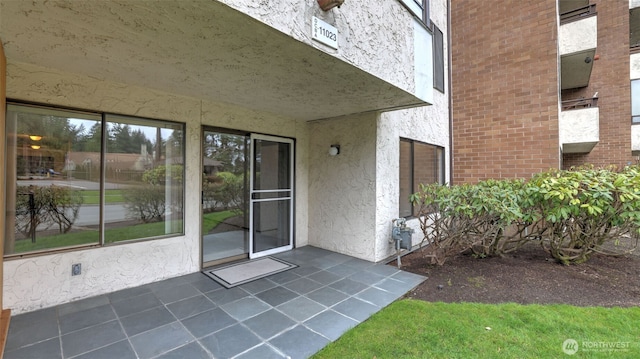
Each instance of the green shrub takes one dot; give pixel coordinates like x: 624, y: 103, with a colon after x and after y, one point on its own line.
x: 572, y: 214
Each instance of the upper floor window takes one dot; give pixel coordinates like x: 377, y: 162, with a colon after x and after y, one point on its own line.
x: 419, y: 8
x: 419, y: 163
x: 438, y: 59
x: 635, y: 101
x: 87, y: 179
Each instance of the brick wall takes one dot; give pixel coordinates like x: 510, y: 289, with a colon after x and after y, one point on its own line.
x: 610, y: 78
x: 505, y: 89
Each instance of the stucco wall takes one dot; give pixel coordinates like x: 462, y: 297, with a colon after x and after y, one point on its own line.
x: 429, y: 124
x: 36, y: 282
x: 577, y: 126
x: 578, y: 36
x: 364, y: 28
x: 342, y: 188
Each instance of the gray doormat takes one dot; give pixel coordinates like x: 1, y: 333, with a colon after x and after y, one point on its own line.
x: 239, y: 273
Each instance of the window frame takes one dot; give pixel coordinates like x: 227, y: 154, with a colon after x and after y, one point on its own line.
x: 438, y: 59
x: 439, y: 169
x: 105, y: 119
x: 635, y: 118
x: 420, y: 9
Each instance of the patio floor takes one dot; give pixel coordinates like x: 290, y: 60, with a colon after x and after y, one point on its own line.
x: 291, y: 314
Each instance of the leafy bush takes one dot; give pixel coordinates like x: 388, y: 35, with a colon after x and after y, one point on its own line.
x: 572, y: 214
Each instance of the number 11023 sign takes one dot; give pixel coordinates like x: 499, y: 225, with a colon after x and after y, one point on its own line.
x: 324, y: 33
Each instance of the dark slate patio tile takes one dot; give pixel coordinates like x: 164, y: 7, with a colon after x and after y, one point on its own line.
x: 356, y: 309
x: 359, y: 264
x: 276, y: 296
x: 411, y: 279
x: 136, y: 304
x: 305, y: 271
x: 383, y: 269
x: 230, y: 341
x: 128, y: 293
x: 147, y: 320
x: 120, y: 350
x: 245, y: 308
x: 46, y: 349
x: 290, y: 341
x: 160, y: 340
x: 301, y: 308
x: 377, y: 297
x: 174, y: 294
x: 302, y: 285
x: 343, y: 270
x: 82, y: 305
x: 283, y: 277
x: 348, y: 286
x: 258, y: 286
x: 206, y: 284
x: 224, y: 296
x: 327, y: 296
x: 192, y: 350
x: 330, y: 324
x: 87, y: 318
x: 208, y: 322
x: 31, y: 328
x: 367, y: 277
x: 325, y: 277
x: 191, y: 306
x: 263, y: 351
x: 394, y: 286
x: 91, y: 338
x: 269, y: 323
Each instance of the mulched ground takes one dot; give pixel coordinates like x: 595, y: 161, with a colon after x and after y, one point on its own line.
x: 528, y: 276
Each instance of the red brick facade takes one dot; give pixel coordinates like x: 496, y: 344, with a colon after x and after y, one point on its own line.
x: 505, y: 88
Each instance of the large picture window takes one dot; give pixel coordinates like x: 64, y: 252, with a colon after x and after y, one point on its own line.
x: 419, y: 163
x: 89, y: 179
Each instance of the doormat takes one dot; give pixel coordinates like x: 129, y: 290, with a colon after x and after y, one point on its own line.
x: 240, y: 273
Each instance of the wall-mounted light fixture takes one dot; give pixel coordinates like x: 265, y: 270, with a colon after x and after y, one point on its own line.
x: 35, y: 147
x: 326, y: 5
x: 35, y: 137
x: 334, y: 150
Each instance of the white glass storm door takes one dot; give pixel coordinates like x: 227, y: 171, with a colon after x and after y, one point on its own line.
x: 270, y: 196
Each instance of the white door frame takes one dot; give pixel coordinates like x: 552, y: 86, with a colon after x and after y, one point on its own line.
x: 285, y: 194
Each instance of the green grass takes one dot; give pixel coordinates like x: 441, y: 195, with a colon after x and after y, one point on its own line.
x: 417, y: 329
x: 110, y: 196
x: 143, y: 230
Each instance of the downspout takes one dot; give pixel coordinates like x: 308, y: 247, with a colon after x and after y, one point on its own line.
x: 449, y: 52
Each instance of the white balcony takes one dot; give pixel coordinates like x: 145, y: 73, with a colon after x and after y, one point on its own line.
x: 579, y: 126
x: 577, y: 42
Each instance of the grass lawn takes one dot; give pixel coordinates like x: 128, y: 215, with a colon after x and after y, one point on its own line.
x: 110, y: 196
x: 417, y: 329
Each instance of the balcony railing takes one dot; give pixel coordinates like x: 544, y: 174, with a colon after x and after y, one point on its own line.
x: 579, y: 103
x: 578, y: 14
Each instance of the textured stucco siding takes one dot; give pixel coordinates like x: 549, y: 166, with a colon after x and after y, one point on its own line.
x: 578, y: 126
x: 578, y: 36
x: 36, y: 282
x: 364, y: 28
x: 634, y: 66
x: 342, y: 188
x: 429, y: 124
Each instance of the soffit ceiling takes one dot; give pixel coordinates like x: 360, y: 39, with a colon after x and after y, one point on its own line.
x: 202, y: 49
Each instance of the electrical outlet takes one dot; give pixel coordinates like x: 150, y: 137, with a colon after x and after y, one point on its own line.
x: 76, y: 269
